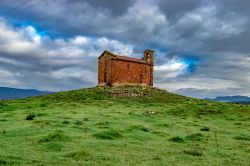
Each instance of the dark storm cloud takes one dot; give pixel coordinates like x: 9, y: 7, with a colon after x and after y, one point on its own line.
x: 215, y: 32
x: 178, y: 8
x: 147, y: 22
x: 117, y: 7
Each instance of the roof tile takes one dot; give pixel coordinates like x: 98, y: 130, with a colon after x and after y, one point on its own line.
x: 126, y: 58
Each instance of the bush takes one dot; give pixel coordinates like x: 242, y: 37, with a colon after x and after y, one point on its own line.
x: 65, y: 122
x: 44, y: 104
x: 2, y: 104
x: 205, y: 129
x: 78, y: 122
x: 177, y: 139
x: 85, y: 119
x: 242, y: 137
x: 30, y: 116
x: 3, y: 162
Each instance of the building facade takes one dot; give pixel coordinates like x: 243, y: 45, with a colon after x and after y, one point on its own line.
x: 122, y: 70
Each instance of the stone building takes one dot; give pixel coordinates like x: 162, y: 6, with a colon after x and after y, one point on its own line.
x: 122, y: 70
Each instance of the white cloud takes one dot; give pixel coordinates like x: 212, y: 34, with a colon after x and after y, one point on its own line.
x: 17, y: 40
x: 33, y: 61
x: 80, y: 40
x: 172, y: 69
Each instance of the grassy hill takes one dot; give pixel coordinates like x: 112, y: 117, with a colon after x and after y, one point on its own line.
x: 123, y: 126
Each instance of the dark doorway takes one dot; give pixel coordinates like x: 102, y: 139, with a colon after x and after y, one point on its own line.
x: 105, y: 76
x: 141, y: 78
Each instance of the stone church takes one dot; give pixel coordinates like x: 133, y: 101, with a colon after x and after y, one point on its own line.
x: 122, y: 70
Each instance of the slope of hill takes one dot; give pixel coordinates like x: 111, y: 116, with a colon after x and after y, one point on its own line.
x: 123, y: 126
x: 13, y: 93
x: 232, y: 99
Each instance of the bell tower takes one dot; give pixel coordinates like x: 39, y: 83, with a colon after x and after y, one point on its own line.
x: 149, y: 56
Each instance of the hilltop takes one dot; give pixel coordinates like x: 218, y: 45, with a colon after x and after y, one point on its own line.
x: 123, y: 126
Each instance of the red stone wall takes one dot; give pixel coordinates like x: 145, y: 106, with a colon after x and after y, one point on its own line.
x: 123, y: 72
x: 103, y: 69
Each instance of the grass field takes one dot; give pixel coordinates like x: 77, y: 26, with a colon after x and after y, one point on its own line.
x: 123, y: 126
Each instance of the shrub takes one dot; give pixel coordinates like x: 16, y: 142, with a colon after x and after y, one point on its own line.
x: 65, y: 122
x: 3, y: 162
x: 145, y: 129
x: 177, y: 139
x: 30, y: 116
x: 85, y: 119
x: 205, y: 129
x: 157, y: 158
x: 44, y: 104
x: 2, y: 104
x: 242, y: 137
x: 78, y: 122
x: 165, y: 125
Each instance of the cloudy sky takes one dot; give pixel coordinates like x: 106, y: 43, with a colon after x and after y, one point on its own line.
x: 201, y: 46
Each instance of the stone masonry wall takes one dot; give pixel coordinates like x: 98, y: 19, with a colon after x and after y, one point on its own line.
x: 113, y: 71
x: 123, y: 72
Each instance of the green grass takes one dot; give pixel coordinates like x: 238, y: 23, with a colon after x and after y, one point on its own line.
x: 194, y: 137
x: 110, y: 134
x: 123, y: 126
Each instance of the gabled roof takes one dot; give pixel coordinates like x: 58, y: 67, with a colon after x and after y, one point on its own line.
x: 124, y: 58
x: 106, y: 51
x: 148, y: 50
